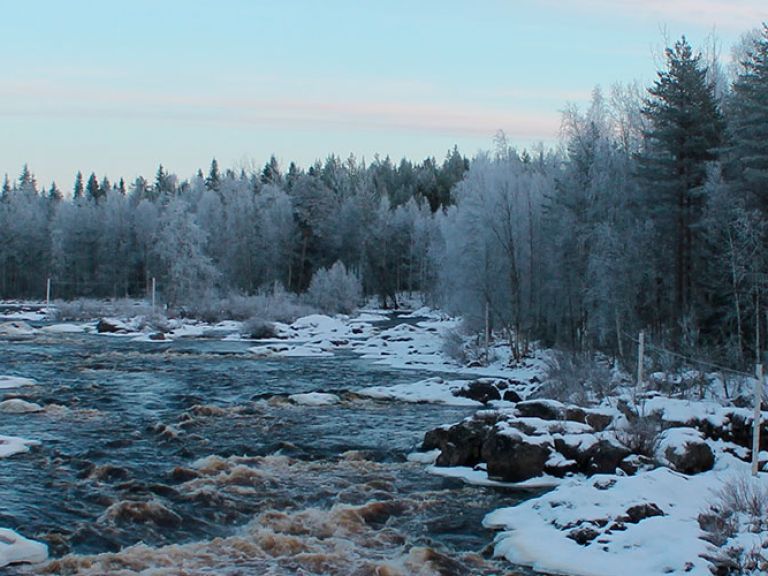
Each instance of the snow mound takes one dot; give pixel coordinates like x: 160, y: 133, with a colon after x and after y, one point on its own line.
x: 10, y: 445
x: 314, y: 399
x: 7, y: 382
x: 15, y: 549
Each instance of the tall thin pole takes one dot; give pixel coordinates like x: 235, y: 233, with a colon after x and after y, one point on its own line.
x: 154, y: 292
x: 756, y: 419
x: 48, y: 292
x: 758, y: 392
x: 640, y: 354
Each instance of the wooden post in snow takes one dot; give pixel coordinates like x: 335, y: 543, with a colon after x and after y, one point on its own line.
x: 640, y: 354
x: 487, y: 333
x: 48, y: 292
x: 758, y: 393
x: 756, y: 419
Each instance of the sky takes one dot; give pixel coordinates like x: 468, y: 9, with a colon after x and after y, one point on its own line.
x: 117, y: 87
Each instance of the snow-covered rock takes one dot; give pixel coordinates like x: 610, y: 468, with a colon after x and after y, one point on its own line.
x: 314, y: 399
x: 65, y: 329
x: 19, y: 406
x: 685, y: 450
x: 8, y: 382
x: 15, y: 549
x: 611, y: 525
x: 16, y: 330
x: 10, y: 445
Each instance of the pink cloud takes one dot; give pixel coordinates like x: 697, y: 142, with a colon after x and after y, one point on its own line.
x: 459, y: 118
x: 733, y: 15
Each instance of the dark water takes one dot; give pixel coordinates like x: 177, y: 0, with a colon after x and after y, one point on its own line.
x: 192, y: 449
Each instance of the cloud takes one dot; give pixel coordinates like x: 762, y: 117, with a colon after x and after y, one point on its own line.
x: 306, y: 112
x: 732, y: 15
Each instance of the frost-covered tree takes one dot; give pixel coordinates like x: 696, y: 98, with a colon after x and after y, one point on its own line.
x: 188, y: 273
x: 335, y: 289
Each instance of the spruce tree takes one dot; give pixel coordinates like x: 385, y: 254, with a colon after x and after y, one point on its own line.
x: 213, y: 181
x: 92, y: 191
x: 686, y: 129
x: 748, y: 124
x: 79, y: 187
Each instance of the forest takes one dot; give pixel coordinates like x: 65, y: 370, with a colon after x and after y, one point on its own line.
x: 650, y: 215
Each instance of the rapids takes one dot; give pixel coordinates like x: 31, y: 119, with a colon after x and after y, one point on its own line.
x: 187, y: 457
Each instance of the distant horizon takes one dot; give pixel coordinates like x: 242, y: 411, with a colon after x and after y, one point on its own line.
x: 127, y: 88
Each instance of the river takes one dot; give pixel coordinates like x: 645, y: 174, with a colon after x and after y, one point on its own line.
x: 186, y: 457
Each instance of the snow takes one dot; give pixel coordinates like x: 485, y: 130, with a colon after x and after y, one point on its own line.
x: 16, y: 330
x: 11, y: 445
x: 18, y: 406
x: 535, y: 532
x: 434, y: 390
x: 424, y: 457
x: 7, y: 382
x: 314, y: 399
x: 15, y: 549
x: 676, y: 439
x: 479, y: 477
x: 290, y: 351
x: 65, y: 328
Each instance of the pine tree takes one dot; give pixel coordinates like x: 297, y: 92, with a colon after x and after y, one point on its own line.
x: 748, y: 125
x: 271, y: 173
x: 92, y: 191
x: 686, y: 129
x: 79, y: 188
x: 213, y: 181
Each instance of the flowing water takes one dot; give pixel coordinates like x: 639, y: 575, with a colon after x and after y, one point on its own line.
x: 186, y: 458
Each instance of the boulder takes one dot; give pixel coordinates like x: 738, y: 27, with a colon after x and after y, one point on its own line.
x: 480, y: 391
x: 106, y: 326
x: 511, y: 396
x: 604, y: 457
x: 598, y: 420
x: 635, y: 514
x: 544, y: 409
x: 685, y: 450
x: 513, y: 456
x: 460, y: 444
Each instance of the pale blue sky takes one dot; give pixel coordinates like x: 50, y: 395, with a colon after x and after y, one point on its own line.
x: 118, y: 87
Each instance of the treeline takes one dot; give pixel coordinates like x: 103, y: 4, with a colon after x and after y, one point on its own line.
x: 651, y: 215
x: 225, y: 231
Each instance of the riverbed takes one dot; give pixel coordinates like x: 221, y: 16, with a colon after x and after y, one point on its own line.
x: 189, y: 457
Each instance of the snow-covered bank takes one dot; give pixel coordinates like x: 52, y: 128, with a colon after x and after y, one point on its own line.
x: 645, y: 524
